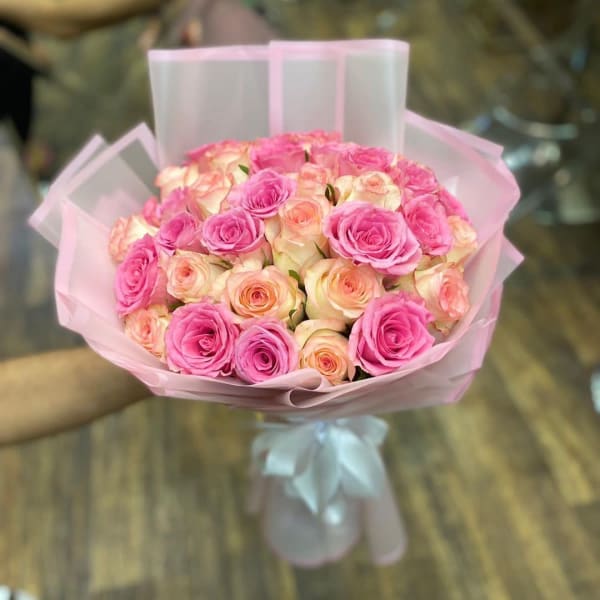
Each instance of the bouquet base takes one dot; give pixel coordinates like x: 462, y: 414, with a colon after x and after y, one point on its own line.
x: 319, y: 487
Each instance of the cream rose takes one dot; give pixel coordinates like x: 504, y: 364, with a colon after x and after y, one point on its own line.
x: 324, y: 348
x: 294, y: 256
x: 191, y: 276
x: 296, y: 233
x: 373, y: 187
x: 147, y: 327
x: 125, y: 231
x: 445, y: 292
x: 464, y: 240
x: 312, y: 180
x: 338, y: 289
x: 207, y: 192
x: 265, y: 293
x: 224, y: 156
x: 169, y: 179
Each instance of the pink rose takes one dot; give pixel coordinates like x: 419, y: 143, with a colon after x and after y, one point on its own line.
x: 140, y: 280
x: 147, y: 327
x: 278, y: 154
x: 125, y: 232
x: 200, y: 340
x: 464, y: 240
x: 391, y: 332
x: 207, y: 193
x: 263, y: 193
x: 264, y: 350
x: 327, y: 156
x: 445, y: 292
x: 338, y: 289
x: 175, y: 203
x: 191, y: 276
x: 356, y: 159
x: 373, y: 187
x: 265, y: 293
x: 182, y: 232
x: 417, y: 179
x: 426, y: 218
x: 233, y: 232
x: 151, y: 211
x: 451, y: 205
x: 367, y: 234
x: 324, y: 348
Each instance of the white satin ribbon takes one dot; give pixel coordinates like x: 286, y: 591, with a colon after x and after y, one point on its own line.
x: 328, y: 478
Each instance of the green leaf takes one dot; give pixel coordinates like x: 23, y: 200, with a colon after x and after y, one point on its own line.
x: 306, y: 156
x: 295, y: 276
x: 330, y: 193
x: 360, y: 374
x: 226, y: 264
x: 291, y: 313
x: 245, y: 169
x: 323, y: 255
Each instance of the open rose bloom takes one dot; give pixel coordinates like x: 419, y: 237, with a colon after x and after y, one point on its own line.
x: 293, y: 241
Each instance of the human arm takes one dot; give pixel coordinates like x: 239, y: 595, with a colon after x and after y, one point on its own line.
x: 50, y: 392
x: 67, y: 18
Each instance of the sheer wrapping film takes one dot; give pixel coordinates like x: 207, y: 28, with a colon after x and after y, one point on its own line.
x: 206, y: 95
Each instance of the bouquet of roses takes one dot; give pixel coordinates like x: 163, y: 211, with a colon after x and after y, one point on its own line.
x: 290, y: 252
x: 319, y: 278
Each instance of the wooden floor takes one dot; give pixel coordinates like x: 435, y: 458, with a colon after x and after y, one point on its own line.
x: 500, y: 493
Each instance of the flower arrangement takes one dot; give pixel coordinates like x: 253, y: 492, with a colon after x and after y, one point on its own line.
x: 289, y: 252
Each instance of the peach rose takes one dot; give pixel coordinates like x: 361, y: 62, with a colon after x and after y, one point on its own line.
x: 125, y: 231
x: 206, y: 192
x: 191, y: 276
x: 445, y: 292
x: 338, y: 289
x: 372, y: 187
x: 265, y: 293
x: 464, y: 240
x: 300, y: 219
x: 147, y: 327
x: 253, y: 263
x: 324, y: 348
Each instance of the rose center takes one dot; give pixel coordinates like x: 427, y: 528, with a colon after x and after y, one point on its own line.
x: 327, y: 363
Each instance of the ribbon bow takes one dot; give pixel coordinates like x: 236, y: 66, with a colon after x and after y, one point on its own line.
x: 318, y: 460
x: 333, y: 468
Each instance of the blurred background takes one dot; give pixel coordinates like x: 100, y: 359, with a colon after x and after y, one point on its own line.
x: 501, y: 494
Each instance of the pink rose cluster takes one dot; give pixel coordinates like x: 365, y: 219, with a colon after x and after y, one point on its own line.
x: 296, y: 251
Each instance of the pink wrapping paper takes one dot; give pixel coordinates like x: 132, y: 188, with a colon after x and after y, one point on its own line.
x: 206, y: 95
